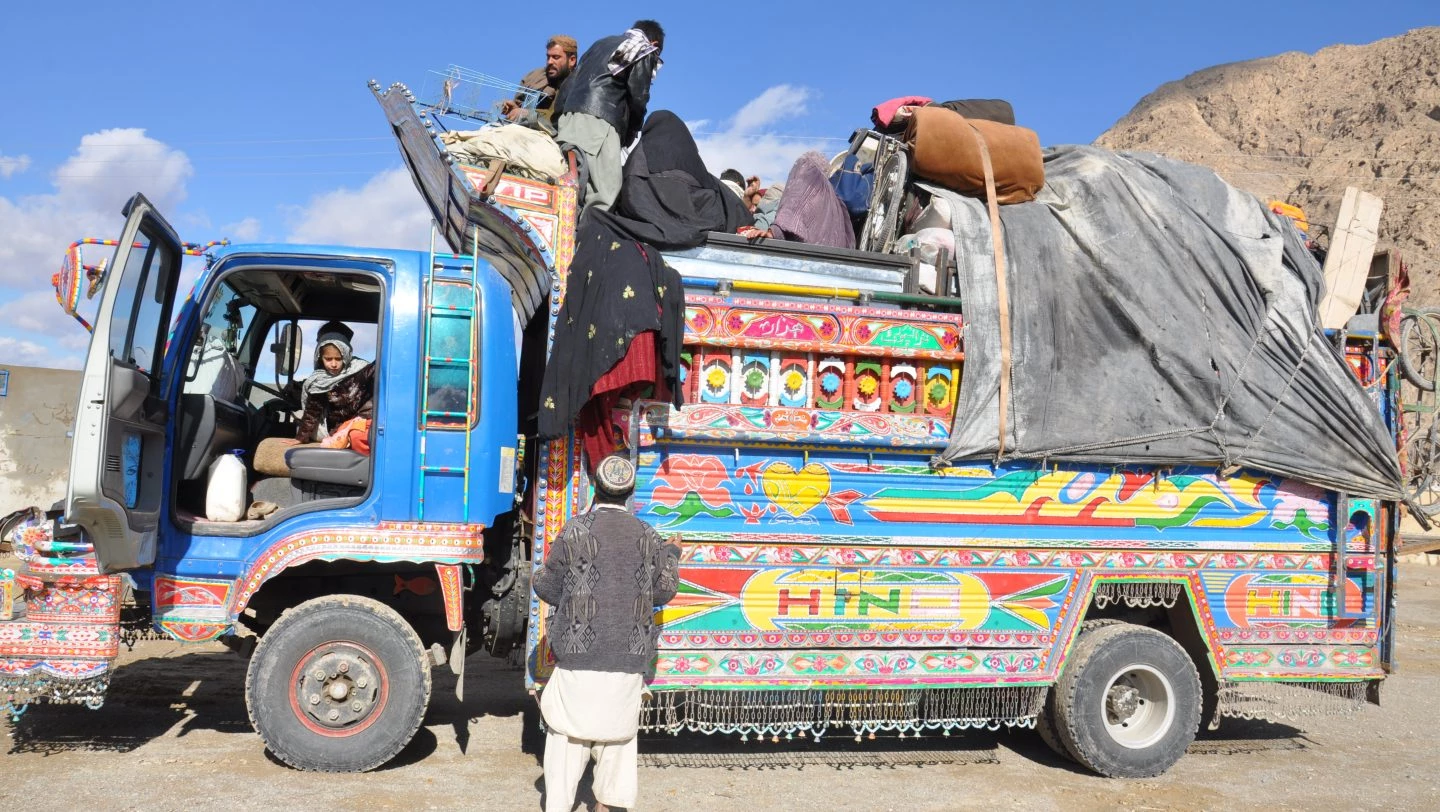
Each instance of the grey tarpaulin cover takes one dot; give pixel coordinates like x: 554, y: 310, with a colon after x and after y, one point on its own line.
x: 1161, y: 317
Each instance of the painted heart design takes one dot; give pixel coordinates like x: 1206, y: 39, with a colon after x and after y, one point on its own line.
x: 796, y: 492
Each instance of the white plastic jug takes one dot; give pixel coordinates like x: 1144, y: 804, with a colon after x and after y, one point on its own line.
x: 225, y: 492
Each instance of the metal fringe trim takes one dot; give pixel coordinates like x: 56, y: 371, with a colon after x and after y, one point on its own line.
x: 1137, y: 594
x: 1275, y: 701
x: 776, y: 713
x: 138, y: 630
x: 17, y: 693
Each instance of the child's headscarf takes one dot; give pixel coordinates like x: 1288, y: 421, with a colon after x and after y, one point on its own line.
x: 337, y: 335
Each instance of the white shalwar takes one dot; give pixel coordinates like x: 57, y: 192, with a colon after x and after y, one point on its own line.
x: 591, y: 714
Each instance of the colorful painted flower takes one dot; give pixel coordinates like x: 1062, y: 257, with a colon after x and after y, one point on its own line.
x: 715, y: 379
x: 794, y: 382
x: 863, y: 332
x: 734, y: 323
x: 830, y: 383
x: 903, y: 389
x: 754, y: 380
x: 938, y: 393
x: 868, y: 386
x: 684, y: 474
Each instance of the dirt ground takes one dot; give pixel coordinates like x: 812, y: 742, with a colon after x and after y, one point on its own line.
x: 174, y: 735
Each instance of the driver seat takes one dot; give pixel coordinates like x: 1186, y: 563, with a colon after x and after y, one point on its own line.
x: 327, y: 473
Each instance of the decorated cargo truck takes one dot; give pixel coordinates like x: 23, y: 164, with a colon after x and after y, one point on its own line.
x: 897, y: 516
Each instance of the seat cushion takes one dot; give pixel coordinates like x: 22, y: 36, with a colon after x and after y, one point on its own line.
x: 269, y: 456
x: 337, y: 466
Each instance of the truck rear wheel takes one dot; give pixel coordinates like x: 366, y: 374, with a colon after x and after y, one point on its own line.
x: 338, y: 684
x: 1128, y: 704
x: 1045, y: 719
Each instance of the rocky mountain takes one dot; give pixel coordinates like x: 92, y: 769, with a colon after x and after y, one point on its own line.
x: 1300, y: 128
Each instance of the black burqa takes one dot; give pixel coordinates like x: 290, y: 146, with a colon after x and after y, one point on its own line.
x: 668, y: 198
x: 619, y: 287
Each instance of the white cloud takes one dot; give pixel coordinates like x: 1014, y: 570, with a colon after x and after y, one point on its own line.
x: 22, y: 352
x: 747, y: 142
x: 244, y: 231
x: 112, y: 165
x: 776, y: 103
x: 13, y: 164
x: 387, y: 212
x: 89, y: 189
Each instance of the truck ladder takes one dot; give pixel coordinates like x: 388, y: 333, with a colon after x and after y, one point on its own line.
x: 448, y: 271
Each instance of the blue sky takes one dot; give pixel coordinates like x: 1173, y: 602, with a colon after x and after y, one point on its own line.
x: 253, y: 121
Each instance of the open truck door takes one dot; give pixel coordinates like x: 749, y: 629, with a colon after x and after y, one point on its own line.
x: 117, y: 461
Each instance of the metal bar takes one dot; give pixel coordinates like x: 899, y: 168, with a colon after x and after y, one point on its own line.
x: 817, y: 290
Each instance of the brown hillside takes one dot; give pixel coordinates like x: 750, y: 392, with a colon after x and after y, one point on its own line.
x: 1300, y: 128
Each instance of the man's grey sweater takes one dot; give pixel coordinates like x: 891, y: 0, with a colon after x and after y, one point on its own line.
x: 604, y: 575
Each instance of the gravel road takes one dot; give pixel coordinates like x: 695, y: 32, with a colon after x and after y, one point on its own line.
x: 174, y: 735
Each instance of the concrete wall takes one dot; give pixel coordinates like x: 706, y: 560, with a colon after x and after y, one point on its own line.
x: 36, y: 416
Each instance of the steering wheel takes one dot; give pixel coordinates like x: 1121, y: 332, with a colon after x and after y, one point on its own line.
x: 276, y: 392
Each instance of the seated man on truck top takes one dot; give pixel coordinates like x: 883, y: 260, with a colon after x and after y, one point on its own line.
x: 560, y: 55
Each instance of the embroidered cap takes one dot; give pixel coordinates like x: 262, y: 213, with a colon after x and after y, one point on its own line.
x: 615, y: 476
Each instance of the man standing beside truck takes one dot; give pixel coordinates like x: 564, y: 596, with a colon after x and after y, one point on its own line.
x: 601, y: 107
x: 604, y: 575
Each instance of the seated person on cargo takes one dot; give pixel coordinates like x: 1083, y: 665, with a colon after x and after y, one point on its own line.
x: 338, y: 398
x: 809, y: 210
x: 560, y: 54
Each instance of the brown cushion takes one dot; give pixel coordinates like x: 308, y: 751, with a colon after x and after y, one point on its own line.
x: 270, y: 456
x: 943, y: 149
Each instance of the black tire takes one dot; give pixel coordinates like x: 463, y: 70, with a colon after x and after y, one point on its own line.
x: 1045, y: 720
x: 1045, y: 726
x: 879, y: 233
x: 1128, y: 704
x: 1422, y: 463
x: 1419, y: 347
x: 338, y: 684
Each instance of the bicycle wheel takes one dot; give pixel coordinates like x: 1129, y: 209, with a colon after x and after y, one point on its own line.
x: 880, y: 228
x: 1419, y: 347
x: 1422, y: 486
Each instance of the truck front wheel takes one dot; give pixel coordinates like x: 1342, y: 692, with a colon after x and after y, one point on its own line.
x: 1128, y: 704
x: 338, y: 684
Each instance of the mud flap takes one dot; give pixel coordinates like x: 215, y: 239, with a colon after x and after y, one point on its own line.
x: 457, y: 663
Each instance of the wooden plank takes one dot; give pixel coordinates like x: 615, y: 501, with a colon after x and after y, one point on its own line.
x: 1411, y: 543
x: 1347, y: 265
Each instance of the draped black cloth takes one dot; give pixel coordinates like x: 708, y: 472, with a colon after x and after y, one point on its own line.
x: 668, y: 198
x: 617, y: 288
x: 618, y: 285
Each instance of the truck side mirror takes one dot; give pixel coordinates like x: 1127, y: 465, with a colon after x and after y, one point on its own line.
x: 287, y: 348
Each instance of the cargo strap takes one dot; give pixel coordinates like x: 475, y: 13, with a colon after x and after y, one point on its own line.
x: 1002, y: 295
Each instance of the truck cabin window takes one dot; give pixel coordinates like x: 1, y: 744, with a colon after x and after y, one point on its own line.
x: 137, y: 326
x: 233, y: 397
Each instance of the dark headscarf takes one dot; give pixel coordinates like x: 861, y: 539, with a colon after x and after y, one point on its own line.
x: 668, y: 198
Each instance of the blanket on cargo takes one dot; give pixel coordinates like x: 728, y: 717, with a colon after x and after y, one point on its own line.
x: 1158, y: 316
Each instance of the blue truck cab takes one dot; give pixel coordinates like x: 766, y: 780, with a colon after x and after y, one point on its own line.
x: 401, y: 532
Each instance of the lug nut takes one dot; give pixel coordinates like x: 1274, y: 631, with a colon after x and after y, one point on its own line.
x: 318, y: 674
x: 362, y: 682
x: 314, y: 699
x: 334, y: 715
x: 356, y: 706
x: 344, y: 667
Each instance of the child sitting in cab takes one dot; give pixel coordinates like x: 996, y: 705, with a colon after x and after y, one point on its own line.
x: 338, y: 398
